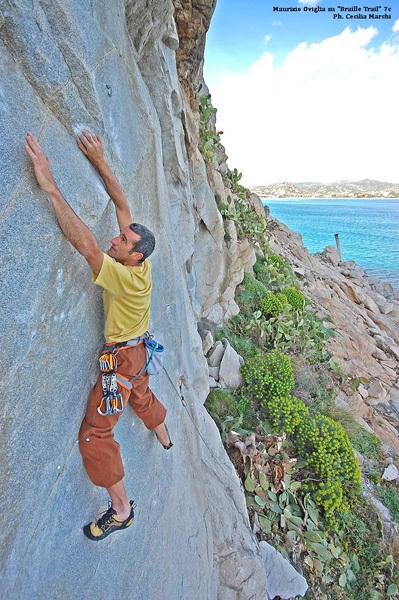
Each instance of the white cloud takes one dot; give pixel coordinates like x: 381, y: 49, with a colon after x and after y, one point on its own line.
x: 310, y: 2
x: 327, y: 113
x: 396, y: 26
x: 267, y: 38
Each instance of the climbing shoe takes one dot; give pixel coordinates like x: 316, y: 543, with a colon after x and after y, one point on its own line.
x: 108, y: 523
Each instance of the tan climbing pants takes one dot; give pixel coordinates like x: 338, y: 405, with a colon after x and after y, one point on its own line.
x: 100, y: 451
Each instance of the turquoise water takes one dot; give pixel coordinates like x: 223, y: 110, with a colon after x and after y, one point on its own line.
x: 368, y: 229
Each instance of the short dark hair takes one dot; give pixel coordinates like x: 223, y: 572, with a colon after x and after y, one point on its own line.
x: 146, y: 243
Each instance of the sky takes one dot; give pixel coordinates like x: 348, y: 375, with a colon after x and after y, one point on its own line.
x: 309, y: 94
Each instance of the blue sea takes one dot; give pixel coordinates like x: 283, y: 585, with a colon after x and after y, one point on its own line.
x: 368, y: 229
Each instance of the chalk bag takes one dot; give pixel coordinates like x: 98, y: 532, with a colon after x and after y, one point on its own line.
x: 154, y: 356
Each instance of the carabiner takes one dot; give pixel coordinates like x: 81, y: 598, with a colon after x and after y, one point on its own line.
x: 107, y: 407
x: 114, y: 404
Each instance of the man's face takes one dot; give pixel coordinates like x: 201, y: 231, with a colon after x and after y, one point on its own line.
x: 121, y: 247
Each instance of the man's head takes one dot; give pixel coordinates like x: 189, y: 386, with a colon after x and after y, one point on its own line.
x: 146, y: 243
x: 133, y: 245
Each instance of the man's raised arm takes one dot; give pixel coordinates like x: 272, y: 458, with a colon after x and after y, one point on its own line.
x: 92, y: 147
x: 73, y: 228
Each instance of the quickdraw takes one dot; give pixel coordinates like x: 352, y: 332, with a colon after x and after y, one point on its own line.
x: 108, y: 362
x: 182, y: 398
x: 111, y: 401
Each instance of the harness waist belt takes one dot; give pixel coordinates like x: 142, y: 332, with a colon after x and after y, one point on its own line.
x: 111, y: 346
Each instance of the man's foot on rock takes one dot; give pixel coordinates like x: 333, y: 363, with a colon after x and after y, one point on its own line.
x: 168, y: 443
x: 108, y: 523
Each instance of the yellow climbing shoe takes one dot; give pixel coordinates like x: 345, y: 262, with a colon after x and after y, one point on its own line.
x: 108, y: 523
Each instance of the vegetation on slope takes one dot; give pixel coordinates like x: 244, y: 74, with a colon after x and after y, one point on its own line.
x: 293, y: 449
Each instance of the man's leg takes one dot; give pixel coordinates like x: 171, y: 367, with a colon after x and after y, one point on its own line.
x: 103, y: 463
x: 111, y: 521
x: 100, y: 451
x: 143, y: 401
x: 162, y: 434
x: 119, y: 500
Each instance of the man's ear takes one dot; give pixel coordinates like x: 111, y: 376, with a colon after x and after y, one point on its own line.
x: 139, y: 255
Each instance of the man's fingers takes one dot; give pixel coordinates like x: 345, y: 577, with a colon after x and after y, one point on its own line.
x: 29, y: 152
x: 86, y: 140
x: 35, y: 150
x: 81, y: 145
x: 88, y: 135
x: 81, y: 137
x: 90, y: 144
x: 32, y: 143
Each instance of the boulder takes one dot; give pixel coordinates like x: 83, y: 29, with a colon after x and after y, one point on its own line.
x: 331, y: 255
x: 387, y: 308
x: 215, y: 357
x: 207, y: 340
x: 395, y: 351
x: 283, y: 580
x: 229, y: 373
x: 390, y: 473
x: 377, y: 393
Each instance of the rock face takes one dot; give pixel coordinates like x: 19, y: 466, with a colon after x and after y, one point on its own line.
x: 112, y: 67
x: 130, y: 72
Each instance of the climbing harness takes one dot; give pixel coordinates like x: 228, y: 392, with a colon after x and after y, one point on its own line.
x: 112, y: 402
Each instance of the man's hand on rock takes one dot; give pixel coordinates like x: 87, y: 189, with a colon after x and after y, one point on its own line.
x: 91, y: 146
x: 41, y: 165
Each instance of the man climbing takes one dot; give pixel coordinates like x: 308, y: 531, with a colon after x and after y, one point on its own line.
x: 124, y: 273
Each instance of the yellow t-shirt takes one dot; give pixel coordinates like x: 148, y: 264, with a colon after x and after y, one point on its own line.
x: 126, y: 298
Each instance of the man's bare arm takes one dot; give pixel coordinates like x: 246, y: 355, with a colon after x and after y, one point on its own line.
x: 73, y: 228
x: 92, y: 147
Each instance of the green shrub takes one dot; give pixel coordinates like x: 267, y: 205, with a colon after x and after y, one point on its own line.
x: 294, y: 297
x: 285, y: 413
x: 360, y: 528
x: 232, y: 178
x: 246, y: 302
x: 243, y: 346
x: 272, y: 270
x: 268, y: 376
x: 209, y: 138
x: 220, y: 404
x: 390, y: 498
x: 277, y: 261
x: 261, y: 271
x: 271, y: 304
x: 328, y: 453
x: 247, y: 221
x: 253, y: 286
x: 368, y: 444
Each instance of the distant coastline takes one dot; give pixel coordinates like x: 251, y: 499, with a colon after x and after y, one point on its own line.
x: 366, y: 188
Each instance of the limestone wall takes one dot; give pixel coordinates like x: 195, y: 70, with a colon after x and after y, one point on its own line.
x: 111, y: 68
